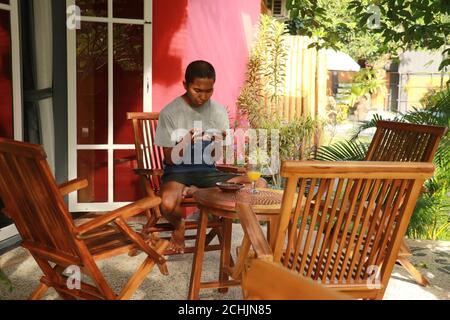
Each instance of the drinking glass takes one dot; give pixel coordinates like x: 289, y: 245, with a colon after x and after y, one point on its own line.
x: 253, y: 173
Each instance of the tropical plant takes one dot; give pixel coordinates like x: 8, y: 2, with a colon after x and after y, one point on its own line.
x: 431, y: 218
x: 266, y: 73
x: 369, y: 29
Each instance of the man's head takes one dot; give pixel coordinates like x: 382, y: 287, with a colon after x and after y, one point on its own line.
x: 199, y: 82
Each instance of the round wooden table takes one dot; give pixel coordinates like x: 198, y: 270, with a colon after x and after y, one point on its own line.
x: 222, y: 205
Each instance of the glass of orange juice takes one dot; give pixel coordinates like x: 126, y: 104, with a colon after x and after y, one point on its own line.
x: 253, y: 173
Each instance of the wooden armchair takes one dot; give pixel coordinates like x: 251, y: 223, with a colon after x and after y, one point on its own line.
x: 150, y: 170
x: 406, y: 142
x: 370, y: 202
x: 35, y: 203
x: 283, y: 284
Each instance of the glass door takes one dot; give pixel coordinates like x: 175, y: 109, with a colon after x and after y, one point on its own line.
x: 109, y: 74
x: 10, y: 93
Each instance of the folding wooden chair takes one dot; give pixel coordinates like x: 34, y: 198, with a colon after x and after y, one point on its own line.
x: 406, y: 142
x: 369, y: 202
x: 150, y: 170
x: 36, y: 205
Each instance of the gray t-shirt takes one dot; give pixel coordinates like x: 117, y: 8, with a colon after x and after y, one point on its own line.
x: 178, y: 117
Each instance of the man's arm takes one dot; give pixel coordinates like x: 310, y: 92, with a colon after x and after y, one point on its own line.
x: 168, y: 156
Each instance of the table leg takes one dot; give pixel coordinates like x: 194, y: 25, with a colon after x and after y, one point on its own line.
x: 225, y: 253
x: 197, y: 264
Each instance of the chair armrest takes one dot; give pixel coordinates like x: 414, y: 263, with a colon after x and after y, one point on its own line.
x: 253, y: 231
x: 125, y: 212
x: 230, y: 168
x: 72, y: 185
x: 148, y: 172
x: 283, y: 284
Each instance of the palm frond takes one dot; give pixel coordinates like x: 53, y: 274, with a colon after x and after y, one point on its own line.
x: 343, y: 151
x: 372, y: 123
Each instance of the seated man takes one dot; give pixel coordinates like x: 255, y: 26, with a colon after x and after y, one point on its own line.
x: 181, y: 127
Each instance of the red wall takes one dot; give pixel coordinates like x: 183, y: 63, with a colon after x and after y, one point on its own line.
x: 211, y: 30
x: 6, y: 109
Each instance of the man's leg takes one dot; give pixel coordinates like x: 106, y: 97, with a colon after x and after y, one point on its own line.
x: 171, y: 194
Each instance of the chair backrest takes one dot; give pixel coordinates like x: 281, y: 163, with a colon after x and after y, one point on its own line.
x: 398, y: 141
x: 283, y: 284
x: 32, y: 199
x: 347, y: 229
x: 149, y: 156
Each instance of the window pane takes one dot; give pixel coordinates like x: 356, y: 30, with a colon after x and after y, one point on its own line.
x: 4, y: 1
x: 6, y: 107
x: 93, y: 166
x: 128, y: 78
x: 127, y: 186
x: 96, y: 8
x: 92, y: 84
x: 128, y: 9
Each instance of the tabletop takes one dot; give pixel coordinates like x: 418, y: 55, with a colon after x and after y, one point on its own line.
x: 267, y: 201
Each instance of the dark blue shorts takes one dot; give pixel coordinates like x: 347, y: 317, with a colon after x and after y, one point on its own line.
x: 200, y: 179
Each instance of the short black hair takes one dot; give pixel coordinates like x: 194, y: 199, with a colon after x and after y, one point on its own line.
x: 199, y: 69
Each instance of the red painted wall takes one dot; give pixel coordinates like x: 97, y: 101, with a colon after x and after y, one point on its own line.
x: 6, y: 108
x: 212, y: 30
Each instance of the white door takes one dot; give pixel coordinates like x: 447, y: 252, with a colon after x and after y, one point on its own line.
x: 109, y: 74
x: 10, y: 84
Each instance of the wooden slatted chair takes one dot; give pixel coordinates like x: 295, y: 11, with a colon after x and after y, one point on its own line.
x: 283, y: 284
x: 406, y: 142
x: 150, y: 170
x: 371, y: 202
x: 36, y: 205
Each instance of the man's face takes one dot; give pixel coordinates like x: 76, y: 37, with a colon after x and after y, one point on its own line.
x: 199, y: 91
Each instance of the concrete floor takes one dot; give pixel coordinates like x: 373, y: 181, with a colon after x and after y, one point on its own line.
x: 432, y: 258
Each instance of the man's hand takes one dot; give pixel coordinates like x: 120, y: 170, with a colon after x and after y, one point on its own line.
x: 216, y: 136
x: 196, y: 135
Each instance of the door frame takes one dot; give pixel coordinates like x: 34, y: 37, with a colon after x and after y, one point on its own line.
x: 16, y: 66
x: 73, y: 147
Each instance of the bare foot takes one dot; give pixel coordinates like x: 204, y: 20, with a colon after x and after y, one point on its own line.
x: 177, y: 239
x: 189, y: 191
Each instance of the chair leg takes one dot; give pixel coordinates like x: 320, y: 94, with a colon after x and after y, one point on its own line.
x: 418, y: 277
x: 39, y: 292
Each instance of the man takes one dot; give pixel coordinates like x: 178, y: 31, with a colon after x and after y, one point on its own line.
x: 190, y: 116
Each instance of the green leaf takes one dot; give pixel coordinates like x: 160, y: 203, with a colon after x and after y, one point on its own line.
x: 444, y: 63
x: 342, y: 151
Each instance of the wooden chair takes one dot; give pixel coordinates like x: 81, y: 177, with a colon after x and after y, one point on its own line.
x: 150, y: 170
x: 35, y: 203
x: 283, y: 284
x: 370, y: 202
x: 397, y: 141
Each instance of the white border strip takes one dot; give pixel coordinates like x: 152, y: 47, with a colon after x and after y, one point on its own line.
x: 148, y: 56
x: 72, y: 107
x: 4, y: 6
x: 105, y: 146
x: 16, y: 71
x: 112, y: 20
x: 110, y: 102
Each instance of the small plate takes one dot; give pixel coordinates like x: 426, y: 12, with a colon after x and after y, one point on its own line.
x: 230, y: 186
